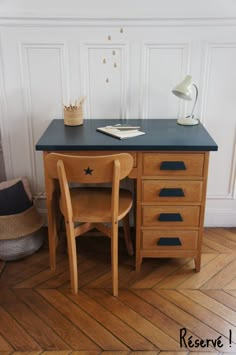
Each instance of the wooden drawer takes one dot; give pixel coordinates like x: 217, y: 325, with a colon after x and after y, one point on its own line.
x: 164, y: 216
x: 171, y: 191
x: 173, y: 164
x: 169, y: 239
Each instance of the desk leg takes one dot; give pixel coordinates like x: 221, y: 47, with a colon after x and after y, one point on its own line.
x: 197, y: 261
x: 137, y: 230
x: 50, y: 186
x: 138, y: 262
x: 138, y: 199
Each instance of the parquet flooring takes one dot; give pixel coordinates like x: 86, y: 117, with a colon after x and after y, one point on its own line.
x: 39, y: 315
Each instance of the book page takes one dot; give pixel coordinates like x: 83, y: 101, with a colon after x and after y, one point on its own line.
x: 120, y: 133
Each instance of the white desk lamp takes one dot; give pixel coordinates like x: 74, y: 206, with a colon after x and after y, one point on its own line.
x: 184, y: 91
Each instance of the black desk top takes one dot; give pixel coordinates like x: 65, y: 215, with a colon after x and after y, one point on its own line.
x: 161, y: 134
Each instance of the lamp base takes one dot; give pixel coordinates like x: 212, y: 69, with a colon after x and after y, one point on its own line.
x: 188, y: 121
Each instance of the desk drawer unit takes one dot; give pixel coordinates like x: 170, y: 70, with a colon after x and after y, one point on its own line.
x: 170, y: 216
x: 169, y: 240
x: 171, y: 203
x: 173, y: 165
x: 159, y: 191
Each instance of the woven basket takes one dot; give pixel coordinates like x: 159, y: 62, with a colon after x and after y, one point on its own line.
x: 14, y: 249
x: 20, y: 224
x: 20, y: 234
x: 73, y: 117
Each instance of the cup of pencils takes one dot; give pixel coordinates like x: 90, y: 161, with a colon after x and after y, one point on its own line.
x: 73, y: 114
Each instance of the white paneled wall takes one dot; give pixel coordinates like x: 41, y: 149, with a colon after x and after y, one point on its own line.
x: 164, y: 66
x: 105, y: 79
x: 127, y: 67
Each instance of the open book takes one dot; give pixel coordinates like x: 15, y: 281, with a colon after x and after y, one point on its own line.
x: 121, y: 131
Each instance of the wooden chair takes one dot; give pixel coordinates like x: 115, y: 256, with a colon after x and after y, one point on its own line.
x: 93, y: 206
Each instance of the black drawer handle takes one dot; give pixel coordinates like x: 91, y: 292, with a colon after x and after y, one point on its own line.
x: 170, y: 217
x: 169, y: 241
x: 173, y: 165
x: 171, y: 192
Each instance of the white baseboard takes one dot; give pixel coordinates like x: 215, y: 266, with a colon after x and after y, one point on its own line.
x: 43, y: 212
x: 215, y: 217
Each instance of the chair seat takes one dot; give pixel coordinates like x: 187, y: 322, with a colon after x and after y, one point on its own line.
x: 91, y: 204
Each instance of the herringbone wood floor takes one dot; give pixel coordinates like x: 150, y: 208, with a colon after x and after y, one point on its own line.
x: 38, y: 315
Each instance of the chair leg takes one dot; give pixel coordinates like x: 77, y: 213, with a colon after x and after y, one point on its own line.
x: 71, y: 242
x: 128, y: 241
x: 114, y: 258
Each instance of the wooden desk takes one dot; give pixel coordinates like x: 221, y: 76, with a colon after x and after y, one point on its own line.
x: 170, y: 168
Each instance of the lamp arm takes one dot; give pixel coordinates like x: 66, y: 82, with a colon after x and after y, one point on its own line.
x: 196, y: 97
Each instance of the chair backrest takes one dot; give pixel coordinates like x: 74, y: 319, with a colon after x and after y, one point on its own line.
x: 86, y: 170
x: 89, y: 169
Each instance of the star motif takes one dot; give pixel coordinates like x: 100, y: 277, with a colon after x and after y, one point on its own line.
x: 88, y: 171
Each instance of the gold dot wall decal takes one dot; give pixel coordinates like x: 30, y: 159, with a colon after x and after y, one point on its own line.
x: 109, y: 61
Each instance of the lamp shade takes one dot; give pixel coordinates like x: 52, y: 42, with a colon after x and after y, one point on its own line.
x: 184, y: 89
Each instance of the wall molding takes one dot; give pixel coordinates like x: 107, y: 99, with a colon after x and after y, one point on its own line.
x: 124, y: 75
x: 208, y: 47
x: 36, y: 19
x: 26, y: 91
x: 146, y: 48
x: 232, y: 184
x: 221, y: 197
x: 5, y: 137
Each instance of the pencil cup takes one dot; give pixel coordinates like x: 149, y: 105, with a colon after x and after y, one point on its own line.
x: 73, y: 117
